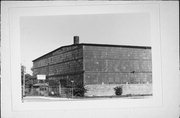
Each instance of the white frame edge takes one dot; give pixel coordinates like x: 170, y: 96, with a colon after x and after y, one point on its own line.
x: 11, y: 53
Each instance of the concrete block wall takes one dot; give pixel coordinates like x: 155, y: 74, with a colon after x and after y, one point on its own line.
x: 108, y: 89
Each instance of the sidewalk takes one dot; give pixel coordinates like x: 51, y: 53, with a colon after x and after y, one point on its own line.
x: 48, y: 98
x: 43, y: 98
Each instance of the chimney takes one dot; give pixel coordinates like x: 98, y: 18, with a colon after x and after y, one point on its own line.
x: 76, y: 40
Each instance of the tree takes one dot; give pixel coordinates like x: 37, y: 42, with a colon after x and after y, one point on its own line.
x: 29, y: 79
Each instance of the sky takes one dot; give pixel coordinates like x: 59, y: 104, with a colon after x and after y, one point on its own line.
x: 42, y: 34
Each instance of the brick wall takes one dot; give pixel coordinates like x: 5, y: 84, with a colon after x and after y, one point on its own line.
x: 62, y: 61
x: 116, y: 78
x: 116, y: 65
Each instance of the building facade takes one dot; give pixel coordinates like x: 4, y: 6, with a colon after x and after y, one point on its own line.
x: 98, y: 68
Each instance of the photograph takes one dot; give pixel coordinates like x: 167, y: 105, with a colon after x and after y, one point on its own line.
x: 86, y: 57
x: 74, y: 59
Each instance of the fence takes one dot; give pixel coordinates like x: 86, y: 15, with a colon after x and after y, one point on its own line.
x: 55, y: 92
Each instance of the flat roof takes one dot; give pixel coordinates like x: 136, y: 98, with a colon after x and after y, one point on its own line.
x: 91, y: 44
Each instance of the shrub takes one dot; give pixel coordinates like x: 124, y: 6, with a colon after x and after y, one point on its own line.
x: 118, y: 90
x: 80, y: 91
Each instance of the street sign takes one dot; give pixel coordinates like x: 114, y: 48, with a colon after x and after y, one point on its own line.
x: 41, y: 77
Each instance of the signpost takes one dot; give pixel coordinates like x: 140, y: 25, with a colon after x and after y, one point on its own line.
x: 41, y: 77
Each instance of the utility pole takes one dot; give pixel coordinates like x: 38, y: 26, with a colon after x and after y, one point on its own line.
x: 72, y: 87
x: 59, y: 88
x: 24, y: 84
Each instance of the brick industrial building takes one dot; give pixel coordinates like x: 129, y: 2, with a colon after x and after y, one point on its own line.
x: 98, y: 67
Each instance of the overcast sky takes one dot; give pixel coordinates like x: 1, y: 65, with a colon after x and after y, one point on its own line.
x: 42, y: 34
